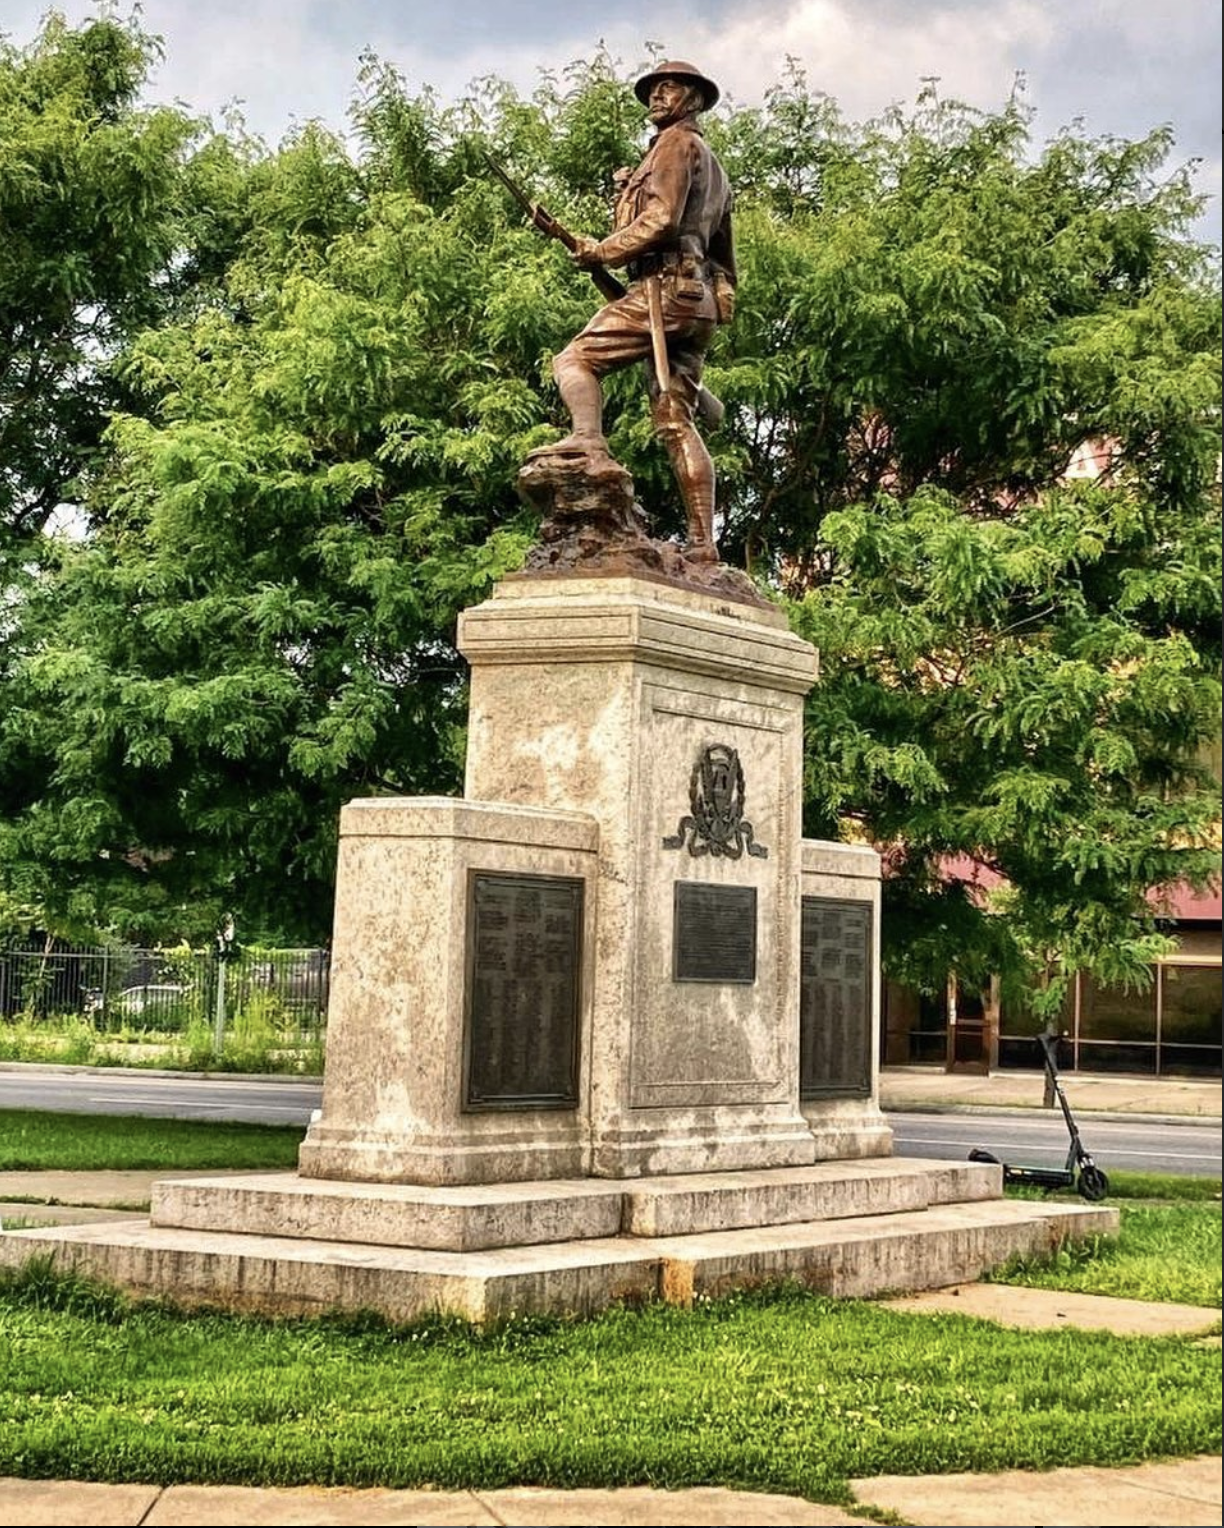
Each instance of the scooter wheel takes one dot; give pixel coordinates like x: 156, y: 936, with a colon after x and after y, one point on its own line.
x: 1092, y: 1183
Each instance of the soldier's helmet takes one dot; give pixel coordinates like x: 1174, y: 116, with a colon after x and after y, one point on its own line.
x: 677, y: 69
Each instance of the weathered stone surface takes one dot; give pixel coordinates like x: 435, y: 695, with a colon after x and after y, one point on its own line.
x: 603, y: 696
x: 859, y: 1256
x: 464, y: 1218
x: 475, y: 1217
x: 393, y: 1084
x: 701, y: 1203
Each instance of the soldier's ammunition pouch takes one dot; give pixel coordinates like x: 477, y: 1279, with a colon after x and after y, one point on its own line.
x: 687, y: 275
x: 686, y: 288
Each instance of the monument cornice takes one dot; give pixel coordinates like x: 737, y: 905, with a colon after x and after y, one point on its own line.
x: 592, y: 620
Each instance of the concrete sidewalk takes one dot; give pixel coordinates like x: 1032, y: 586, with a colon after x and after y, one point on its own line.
x: 931, y: 1088
x: 1171, y: 1494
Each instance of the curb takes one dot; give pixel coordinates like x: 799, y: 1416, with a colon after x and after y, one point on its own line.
x: 61, y: 1068
x: 1025, y: 1111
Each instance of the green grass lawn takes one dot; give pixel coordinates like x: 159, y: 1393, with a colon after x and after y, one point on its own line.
x: 1165, y: 1251
x: 775, y: 1390
x: 778, y: 1390
x: 34, y: 1141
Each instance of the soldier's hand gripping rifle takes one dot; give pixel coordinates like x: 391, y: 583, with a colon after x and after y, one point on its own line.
x: 709, y: 407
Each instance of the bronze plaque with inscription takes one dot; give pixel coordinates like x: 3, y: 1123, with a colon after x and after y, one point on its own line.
x: 835, y: 998
x: 524, y: 977
x: 714, y: 933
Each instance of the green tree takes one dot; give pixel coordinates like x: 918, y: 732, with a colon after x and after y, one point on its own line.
x: 1024, y: 696
x: 312, y: 478
x: 1021, y: 670
x: 97, y: 199
x: 91, y: 203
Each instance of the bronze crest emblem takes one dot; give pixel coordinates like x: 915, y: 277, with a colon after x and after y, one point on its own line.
x: 716, y: 824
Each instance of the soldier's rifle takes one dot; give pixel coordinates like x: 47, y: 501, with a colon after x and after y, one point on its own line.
x: 709, y: 407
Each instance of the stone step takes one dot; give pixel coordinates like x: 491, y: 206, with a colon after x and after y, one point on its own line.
x: 462, y: 1218
x: 862, y: 1256
x: 473, y: 1217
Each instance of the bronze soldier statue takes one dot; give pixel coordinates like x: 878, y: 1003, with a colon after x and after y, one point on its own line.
x: 672, y: 232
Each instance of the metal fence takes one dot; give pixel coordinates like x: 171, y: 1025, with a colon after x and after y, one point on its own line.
x: 127, y: 987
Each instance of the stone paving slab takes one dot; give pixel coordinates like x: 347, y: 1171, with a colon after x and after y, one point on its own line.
x: 1169, y: 1494
x: 1013, y: 1305
x: 1176, y: 1494
x: 82, y: 1503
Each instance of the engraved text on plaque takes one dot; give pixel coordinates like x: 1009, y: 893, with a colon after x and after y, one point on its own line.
x: 835, y: 998
x: 714, y: 933
x: 524, y: 964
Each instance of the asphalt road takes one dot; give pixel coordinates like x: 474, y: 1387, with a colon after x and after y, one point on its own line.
x: 1021, y: 1138
x: 1188, y: 1148
x: 256, y: 1100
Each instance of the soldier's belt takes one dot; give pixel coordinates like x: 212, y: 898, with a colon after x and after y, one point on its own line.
x: 669, y: 261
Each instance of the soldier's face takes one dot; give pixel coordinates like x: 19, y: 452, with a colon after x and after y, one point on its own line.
x: 669, y: 101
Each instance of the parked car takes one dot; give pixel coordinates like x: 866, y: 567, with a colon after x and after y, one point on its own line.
x: 153, y: 997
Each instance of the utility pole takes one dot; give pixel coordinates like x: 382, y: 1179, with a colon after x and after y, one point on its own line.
x: 1047, y: 1097
x: 225, y: 949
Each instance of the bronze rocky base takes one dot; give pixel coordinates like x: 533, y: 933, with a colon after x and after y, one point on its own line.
x: 591, y: 526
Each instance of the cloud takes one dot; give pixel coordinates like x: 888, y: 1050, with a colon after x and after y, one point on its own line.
x: 868, y: 57
x: 265, y: 57
x: 1122, y: 67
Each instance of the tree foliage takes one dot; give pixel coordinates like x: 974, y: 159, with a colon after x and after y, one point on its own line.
x: 1022, y: 698
x: 106, y: 226
x: 90, y: 208
x: 344, y: 358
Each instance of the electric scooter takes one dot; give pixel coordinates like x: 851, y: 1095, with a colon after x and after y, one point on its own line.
x: 1080, y: 1172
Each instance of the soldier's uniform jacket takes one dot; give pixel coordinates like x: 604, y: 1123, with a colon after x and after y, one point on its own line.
x: 674, y: 212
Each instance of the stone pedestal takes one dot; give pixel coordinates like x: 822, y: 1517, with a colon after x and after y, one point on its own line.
x: 399, y: 1101
x: 634, y: 755
x: 673, y: 718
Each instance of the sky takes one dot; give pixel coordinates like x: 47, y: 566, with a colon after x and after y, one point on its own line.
x: 1102, y: 67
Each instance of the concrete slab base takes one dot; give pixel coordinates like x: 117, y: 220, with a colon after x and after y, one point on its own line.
x: 925, y: 1225
x: 1043, y: 1309
x: 473, y: 1217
